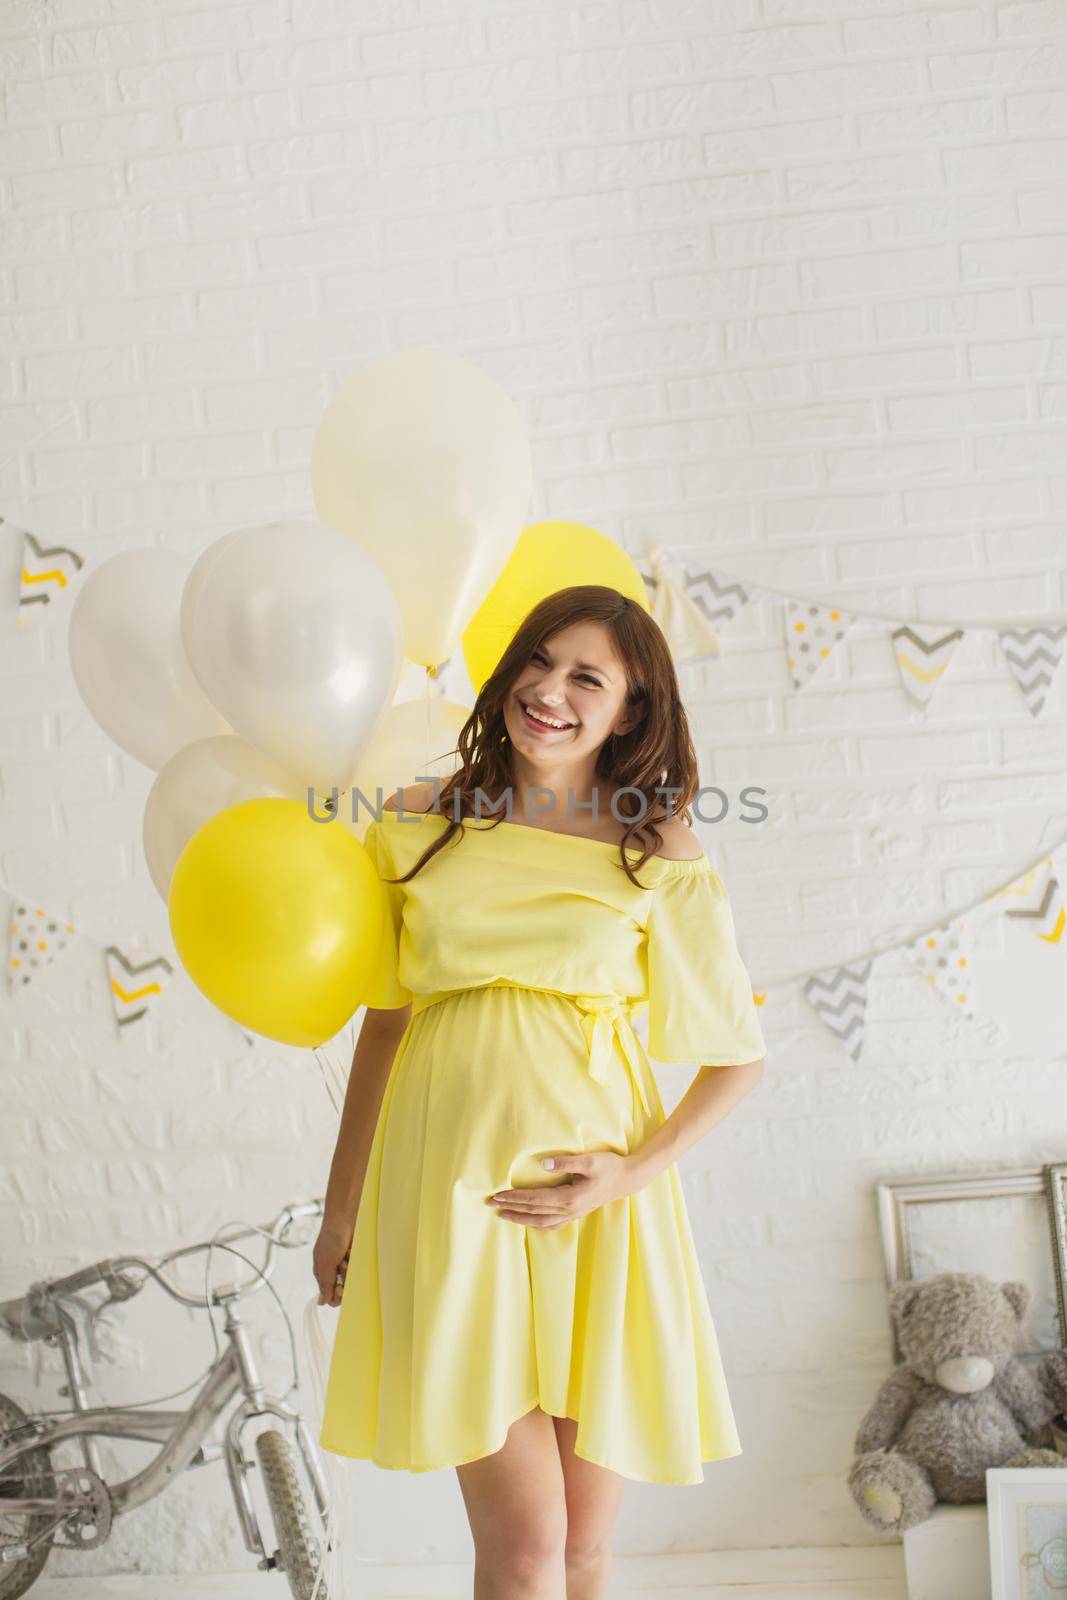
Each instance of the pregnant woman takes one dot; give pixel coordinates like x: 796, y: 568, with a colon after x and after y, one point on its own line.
x: 522, y: 1298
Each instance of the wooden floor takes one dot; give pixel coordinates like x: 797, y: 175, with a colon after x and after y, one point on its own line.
x: 866, y: 1573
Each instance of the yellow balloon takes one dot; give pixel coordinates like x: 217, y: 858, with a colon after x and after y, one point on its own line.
x: 278, y: 919
x: 547, y: 556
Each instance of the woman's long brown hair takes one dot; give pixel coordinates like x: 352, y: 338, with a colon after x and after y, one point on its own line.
x: 657, y: 754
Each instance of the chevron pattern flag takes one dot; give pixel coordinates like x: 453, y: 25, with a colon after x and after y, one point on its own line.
x: 943, y: 955
x: 36, y: 937
x: 839, y: 997
x: 1035, y: 899
x: 48, y: 570
x: 923, y: 652
x: 1033, y: 654
x: 811, y: 633
x: 135, y: 983
x: 719, y: 598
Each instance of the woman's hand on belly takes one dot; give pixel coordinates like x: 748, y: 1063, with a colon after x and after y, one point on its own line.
x: 596, y: 1178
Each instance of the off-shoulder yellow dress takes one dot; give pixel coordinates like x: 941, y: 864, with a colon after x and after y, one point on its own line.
x: 527, y: 955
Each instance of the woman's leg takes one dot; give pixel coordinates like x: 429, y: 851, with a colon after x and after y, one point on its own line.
x: 518, y: 1514
x: 593, y: 1496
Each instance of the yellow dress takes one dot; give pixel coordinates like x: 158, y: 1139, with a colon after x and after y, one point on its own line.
x: 526, y: 955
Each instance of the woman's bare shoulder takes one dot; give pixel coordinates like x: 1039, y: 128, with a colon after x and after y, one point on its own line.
x: 679, y: 842
x: 416, y: 797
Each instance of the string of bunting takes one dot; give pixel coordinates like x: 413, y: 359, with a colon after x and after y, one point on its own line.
x: 136, y: 978
x: 694, y: 602
x: 1033, y: 901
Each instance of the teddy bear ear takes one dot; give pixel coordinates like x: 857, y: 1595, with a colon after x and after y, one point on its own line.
x: 902, y: 1298
x: 1018, y: 1297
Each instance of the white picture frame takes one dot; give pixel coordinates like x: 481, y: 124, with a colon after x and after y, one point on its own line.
x: 1027, y: 1509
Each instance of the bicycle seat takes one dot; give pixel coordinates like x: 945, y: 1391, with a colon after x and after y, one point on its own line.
x: 37, y: 1314
x: 29, y: 1317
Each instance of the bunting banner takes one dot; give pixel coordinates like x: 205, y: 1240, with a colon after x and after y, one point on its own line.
x: 943, y: 956
x: 839, y: 996
x: 136, y: 978
x: 36, y: 938
x: 1036, y: 900
x: 688, y: 630
x: 48, y: 573
x: 693, y: 604
x: 1033, y: 900
x: 136, y: 983
x: 923, y: 651
x: 1033, y: 654
x: 812, y: 632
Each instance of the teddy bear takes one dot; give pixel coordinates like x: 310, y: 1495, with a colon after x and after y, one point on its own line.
x: 959, y: 1402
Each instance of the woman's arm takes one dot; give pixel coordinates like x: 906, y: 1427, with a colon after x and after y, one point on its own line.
x: 599, y: 1176
x: 710, y: 1097
x: 376, y: 1047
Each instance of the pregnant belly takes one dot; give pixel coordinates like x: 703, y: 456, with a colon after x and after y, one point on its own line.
x: 492, y: 1079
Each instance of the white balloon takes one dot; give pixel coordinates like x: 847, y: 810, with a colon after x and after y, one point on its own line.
x: 424, y: 460
x: 128, y: 660
x: 294, y: 633
x: 416, y: 739
x: 195, y: 785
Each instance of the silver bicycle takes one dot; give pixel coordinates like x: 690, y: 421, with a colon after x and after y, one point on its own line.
x: 43, y: 1505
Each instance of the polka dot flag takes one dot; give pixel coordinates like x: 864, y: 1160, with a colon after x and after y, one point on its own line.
x: 812, y: 632
x: 35, y: 939
x: 943, y: 956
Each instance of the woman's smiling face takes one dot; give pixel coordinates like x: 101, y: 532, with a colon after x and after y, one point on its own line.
x: 569, y: 697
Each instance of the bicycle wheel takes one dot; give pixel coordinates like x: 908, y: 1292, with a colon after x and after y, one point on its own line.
x: 298, y: 1552
x: 30, y: 1475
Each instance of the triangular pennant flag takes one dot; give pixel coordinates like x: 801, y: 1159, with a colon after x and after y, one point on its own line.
x: 923, y: 652
x: 1033, y: 654
x: 1026, y: 889
x: 811, y: 633
x: 1035, y: 898
x: 135, y: 984
x: 36, y: 937
x: 47, y: 572
x: 839, y: 996
x: 720, y: 598
x: 685, y: 626
x: 943, y: 955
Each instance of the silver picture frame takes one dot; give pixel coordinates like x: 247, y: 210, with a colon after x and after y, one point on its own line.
x: 995, y: 1221
x: 1056, y: 1194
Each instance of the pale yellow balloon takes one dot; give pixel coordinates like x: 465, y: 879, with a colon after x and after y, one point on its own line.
x: 278, y: 920
x: 416, y: 739
x: 423, y: 459
x: 547, y: 556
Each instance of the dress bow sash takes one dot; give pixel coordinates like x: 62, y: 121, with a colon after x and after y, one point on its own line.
x: 605, y: 1017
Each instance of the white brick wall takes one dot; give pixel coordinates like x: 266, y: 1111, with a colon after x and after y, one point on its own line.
x: 783, y: 282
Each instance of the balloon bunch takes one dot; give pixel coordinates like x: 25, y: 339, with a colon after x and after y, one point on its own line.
x: 265, y: 674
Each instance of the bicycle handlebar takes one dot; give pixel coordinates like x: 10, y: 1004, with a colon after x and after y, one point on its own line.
x: 82, y: 1279
x: 275, y: 1232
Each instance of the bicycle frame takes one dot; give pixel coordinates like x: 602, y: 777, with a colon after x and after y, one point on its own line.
x: 180, y: 1433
